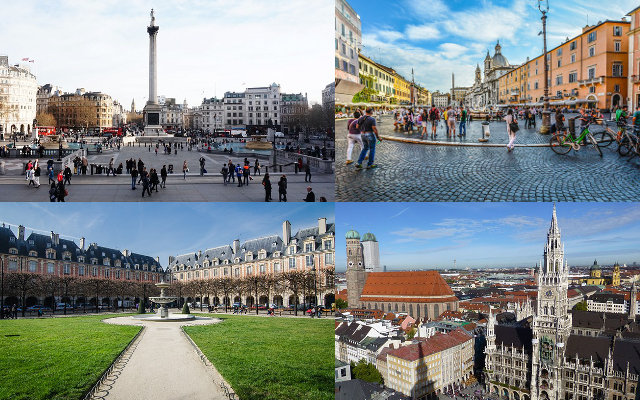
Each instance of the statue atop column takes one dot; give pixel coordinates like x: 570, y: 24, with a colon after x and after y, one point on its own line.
x: 153, y: 18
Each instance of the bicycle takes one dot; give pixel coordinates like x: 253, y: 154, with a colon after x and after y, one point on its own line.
x: 562, y: 144
x: 629, y: 143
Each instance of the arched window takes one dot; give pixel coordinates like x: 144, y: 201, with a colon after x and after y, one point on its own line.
x: 436, y: 310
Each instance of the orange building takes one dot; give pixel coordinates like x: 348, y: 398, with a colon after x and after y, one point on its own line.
x: 633, y: 86
x: 512, y: 86
x: 589, y: 69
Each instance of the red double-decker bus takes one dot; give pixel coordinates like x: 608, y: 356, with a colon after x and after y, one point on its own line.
x: 46, y: 130
x: 112, y: 131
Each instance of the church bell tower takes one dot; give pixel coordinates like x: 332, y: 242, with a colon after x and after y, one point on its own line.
x: 356, y: 274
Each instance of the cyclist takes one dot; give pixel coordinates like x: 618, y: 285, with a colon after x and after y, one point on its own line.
x: 636, y: 119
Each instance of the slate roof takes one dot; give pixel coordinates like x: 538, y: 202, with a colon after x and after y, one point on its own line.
x: 627, y: 351
x: 6, y: 242
x: 42, y: 242
x: 586, y: 347
x: 357, y: 389
x: 514, y: 336
x: 605, y: 297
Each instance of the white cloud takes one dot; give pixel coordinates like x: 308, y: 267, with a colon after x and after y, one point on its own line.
x: 390, y: 35
x: 422, y: 32
x: 452, y: 50
x: 427, y: 8
x: 204, y: 47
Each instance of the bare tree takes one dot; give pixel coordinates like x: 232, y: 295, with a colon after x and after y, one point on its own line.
x: 66, y: 283
x: 85, y: 112
x: 295, y: 283
x: 23, y: 283
x: 49, y: 286
x: 226, y: 286
x: 252, y: 284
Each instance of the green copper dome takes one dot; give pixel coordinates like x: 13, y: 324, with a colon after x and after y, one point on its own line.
x: 352, y: 235
x: 369, y: 237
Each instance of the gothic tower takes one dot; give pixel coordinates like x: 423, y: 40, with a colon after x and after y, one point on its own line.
x: 615, y: 277
x: 487, y: 64
x: 133, y: 105
x: 552, y: 322
x: 478, y: 75
x: 356, y: 275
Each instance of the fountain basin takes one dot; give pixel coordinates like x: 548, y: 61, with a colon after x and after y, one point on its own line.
x: 168, y: 318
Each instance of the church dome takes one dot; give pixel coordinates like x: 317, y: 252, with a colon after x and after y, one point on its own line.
x: 352, y: 235
x: 369, y: 237
x: 498, y: 60
x: 595, y: 266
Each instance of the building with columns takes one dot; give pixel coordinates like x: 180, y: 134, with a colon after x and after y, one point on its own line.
x: 556, y: 354
x: 633, y: 83
x: 308, y: 249
x: 18, y: 91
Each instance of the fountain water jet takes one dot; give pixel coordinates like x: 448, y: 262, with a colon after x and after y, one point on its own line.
x: 163, y: 311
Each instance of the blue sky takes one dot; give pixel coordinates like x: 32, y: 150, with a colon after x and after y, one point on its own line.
x: 432, y: 235
x: 163, y: 229
x: 438, y: 37
x: 205, y: 47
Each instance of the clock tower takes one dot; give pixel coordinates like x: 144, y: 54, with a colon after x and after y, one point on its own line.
x: 552, y: 321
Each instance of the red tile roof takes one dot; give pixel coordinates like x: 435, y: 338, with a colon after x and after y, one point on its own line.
x: 406, y: 283
x: 432, y: 345
x: 342, y: 294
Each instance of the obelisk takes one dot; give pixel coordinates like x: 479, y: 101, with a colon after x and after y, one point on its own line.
x: 152, y: 109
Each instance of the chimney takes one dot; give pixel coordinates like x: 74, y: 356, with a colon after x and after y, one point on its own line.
x: 322, y: 226
x: 286, y: 232
x: 82, y: 243
x: 20, y: 233
x: 55, y: 239
x: 199, y: 254
x: 126, y: 253
x: 158, y: 259
x: 236, y: 246
x: 171, y: 259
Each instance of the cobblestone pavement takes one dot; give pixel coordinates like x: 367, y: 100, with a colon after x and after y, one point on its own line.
x: 417, y: 172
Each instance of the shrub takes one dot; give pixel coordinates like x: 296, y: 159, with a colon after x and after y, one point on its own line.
x: 141, y: 308
x: 185, y: 308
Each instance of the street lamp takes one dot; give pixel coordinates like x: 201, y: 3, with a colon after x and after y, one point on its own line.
x: 1, y: 287
x: 315, y: 283
x: 543, y: 6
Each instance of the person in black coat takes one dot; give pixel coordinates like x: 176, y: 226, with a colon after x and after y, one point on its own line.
x: 311, y: 197
x: 266, y: 182
x: 282, y: 188
x: 67, y: 175
x: 134, y: 176
x: 163, y: 175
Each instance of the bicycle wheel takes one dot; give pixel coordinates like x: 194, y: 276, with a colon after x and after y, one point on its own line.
x: 604, y: 138
x: 559, y: 146
x: 624, y: 148
x: 595, y: 144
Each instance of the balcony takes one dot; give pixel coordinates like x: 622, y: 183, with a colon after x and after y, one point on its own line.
x: 592, y: 81
x: 514, y: 92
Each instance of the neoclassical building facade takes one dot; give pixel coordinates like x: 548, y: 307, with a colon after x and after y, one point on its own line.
x: 18, y: 90
x: 555, y: 354
x: 485, y: 92
x: 309, y: 249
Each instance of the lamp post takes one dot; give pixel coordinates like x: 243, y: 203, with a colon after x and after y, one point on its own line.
x: 315, y: 283
x: 543, y: 6
x: 1, y: 288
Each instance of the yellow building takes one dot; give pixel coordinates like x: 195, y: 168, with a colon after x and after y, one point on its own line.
x: 421, y: 95
x: 427, y: 366
x: 376, y: 77
x: 401, y: 89
x: 596, y: 277
x: 512, y: 86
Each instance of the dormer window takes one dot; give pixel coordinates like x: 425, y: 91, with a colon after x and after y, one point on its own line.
x: 103, y: 254
x: 292, y: 250
x: 127, y: 265
x: 30, y: 241
x: 64, y: 246
x: 13, y: 240
x: 262, y: 254
x: 48, y: 245
x: 248, y: 256
x: 236, y: 260
x: 137, y: 266
x: 81, y: 259
x: 226, y: 262
x: 308, y: 247
x: 33, y: 253
x: 274, y: 244
x: 328, y: 244
x: 13, y: 251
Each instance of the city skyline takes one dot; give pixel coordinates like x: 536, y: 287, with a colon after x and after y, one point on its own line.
x: 163, y: 229
x: 478, y: 235
x: 114, y: 60
x: 456, y: 38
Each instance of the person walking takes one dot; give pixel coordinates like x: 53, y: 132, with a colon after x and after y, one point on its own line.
x: 311, y: 197
x: 560, y: 122
x: 36, y: 174
x: 424, y: 115
x: 245, y: 173
x: 307, y: 171
x: 434, y: 117
x: 30, y: 173
x: 110, y: 169
x: 266, y: 182
x: 512, y: 128
x: 232, y: 170
x: 154, y: 179
x: 144, y: 176
x: 185, y: 169
x: 67, y: 175
x: 51, y: 176
x: 353, y: 136
x: 238, y: 170
x: 53, y: 195
x: 61, y: 192
x: 282, y: 189
x: 163, y: 176
x: 256, y: 168
x: 134, y: 176
x: 463, y: 123
x: 224, y: 172
x: 202, y: 161
x: 367, y: 125
x: 451, y: 119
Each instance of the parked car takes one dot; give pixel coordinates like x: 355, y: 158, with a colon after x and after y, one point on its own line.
x: 238, y: 305
x: 61, y: 306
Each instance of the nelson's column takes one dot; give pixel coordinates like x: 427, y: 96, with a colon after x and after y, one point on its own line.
x: 152, y: 109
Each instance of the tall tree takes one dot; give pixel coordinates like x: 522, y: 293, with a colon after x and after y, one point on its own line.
x: 85, y: 112
x: 295, y: 283
x: 23, y: 283
x: 252, y: 284
x: 226, y: 286
x: 48, y: 287
x: 46, y: 119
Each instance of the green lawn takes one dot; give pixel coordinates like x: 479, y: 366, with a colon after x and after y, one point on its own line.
x: 57, y: 358
x: 271, y: 358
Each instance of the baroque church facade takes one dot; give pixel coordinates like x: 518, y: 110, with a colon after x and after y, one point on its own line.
x: 484, y: 92
x: 555, y: 354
